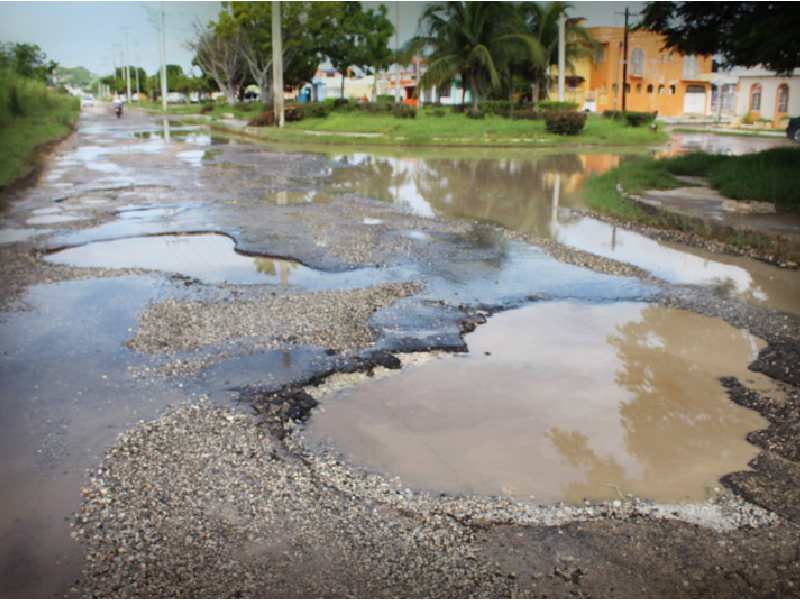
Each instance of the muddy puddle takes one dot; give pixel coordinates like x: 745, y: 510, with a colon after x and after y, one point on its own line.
x: 560, y: 401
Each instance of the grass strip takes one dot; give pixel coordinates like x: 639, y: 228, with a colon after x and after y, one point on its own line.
x: 30, y: 117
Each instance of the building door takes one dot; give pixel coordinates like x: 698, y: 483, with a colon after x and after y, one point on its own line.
x: 694, y: 101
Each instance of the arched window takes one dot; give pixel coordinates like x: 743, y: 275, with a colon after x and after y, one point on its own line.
x: 638, y: 88
x: 650, y: 88
x: 755, y: 97
x: 783, y: 97
x: 637, y: 62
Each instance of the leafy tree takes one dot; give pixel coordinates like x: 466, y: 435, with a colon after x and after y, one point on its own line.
x: 361, y: 38
x: 468, y: 39
x: 541, y: 21
x: 28, y: 60
x: 305, y: 28
x: 746, y: 33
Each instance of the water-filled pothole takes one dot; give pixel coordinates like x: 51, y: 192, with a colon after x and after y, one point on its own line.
x: 560, y: 401
x: 211, y: 258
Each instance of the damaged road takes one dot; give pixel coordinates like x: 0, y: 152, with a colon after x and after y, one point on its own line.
x: 223, y: 495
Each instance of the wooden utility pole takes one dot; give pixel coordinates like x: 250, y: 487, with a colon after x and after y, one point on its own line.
x: 277, y: 64
x: 562, y: 56
x: 625, y: 60
x: 164, y: 90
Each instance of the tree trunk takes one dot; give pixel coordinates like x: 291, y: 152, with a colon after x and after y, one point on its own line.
x: 473, y: 85
x: 510, y: 92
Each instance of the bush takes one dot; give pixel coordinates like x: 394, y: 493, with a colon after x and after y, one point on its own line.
x: 264, y: 119
x: 554, y: 106
x: 314, y: 110
x: 632, y: 118
x: 404, y: 111
x: 206, y: 108
x: 476, y: 114
x: 436, y: 112
x: 564, y: 123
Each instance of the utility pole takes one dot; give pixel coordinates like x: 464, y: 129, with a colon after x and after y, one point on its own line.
x: 277, y: 64
x: 397, y: 52
x: 127, y: 68
x: 627, y: 14
x: 625, y: 62
x: 163, y: 60
x: 138, y: 92
x: 562, y: 55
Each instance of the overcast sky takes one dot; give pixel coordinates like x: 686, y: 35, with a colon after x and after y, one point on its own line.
x: 93, y: 34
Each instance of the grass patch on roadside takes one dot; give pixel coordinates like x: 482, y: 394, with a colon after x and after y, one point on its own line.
x: 431, y: 126
x: 30, y: 117
x: 768, y: 176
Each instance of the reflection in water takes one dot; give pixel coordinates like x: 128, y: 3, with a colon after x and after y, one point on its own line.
x: 561, y: 401
x: 528, y: 195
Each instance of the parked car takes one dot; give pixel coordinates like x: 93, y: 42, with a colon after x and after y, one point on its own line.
x: 793, y: 129
x: 87, y: 100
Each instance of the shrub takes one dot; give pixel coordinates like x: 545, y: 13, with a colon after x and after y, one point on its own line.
x: 564, y: 123
x: 405, y: 112
x: 476, y: 114
x: 554, y: 106
x: 207, y: 108
x: 264, y: 119
x: 632, y: 118
x: 436, y: 112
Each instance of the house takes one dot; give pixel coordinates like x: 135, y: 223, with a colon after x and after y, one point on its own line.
x: 763, y: 95
x: 658, y: 80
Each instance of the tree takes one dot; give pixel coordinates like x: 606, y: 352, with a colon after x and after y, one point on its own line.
x: 745, y: 33
x: 541, y: 21
x: 28, y: 60
x: 218, y: 57
x: 361, y: 38
x: 466, y: 39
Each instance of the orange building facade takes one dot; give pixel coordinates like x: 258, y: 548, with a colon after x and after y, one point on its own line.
x: 658, y: 80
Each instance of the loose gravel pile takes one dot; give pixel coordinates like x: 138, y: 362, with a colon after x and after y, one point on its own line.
x: 334, y: 319
x: 205, y: 503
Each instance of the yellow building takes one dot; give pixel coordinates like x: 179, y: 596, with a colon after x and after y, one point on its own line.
x: 658, y: 80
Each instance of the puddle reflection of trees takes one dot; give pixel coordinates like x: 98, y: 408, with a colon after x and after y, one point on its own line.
x: 512, y: 192
x: 679, y: 428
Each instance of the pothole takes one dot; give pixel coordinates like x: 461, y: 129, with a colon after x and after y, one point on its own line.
x: 212, y: 258
x: 560, y: 402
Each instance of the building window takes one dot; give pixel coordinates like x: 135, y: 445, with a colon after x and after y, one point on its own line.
x: 444, y: 92
x: 637, y: 62
x: 783, y: 98
x: 755, y: 97
x: 601, y: 54
x: 672, y: 90
x: 649, y: 88
x: 638, y: 88
x: 662, y: 90
x: 690, y: 66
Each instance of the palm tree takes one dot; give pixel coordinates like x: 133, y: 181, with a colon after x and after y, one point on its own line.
x: 541, y: 22
x: 468, y: 39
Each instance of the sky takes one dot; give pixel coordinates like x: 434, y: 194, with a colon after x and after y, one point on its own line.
x: 96, y: 35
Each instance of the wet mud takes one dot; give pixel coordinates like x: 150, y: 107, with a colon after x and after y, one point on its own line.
x: 224, y: 496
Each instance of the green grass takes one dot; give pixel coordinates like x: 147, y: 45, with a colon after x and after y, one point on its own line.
x: 428, y: 129
x: 30, y: 117
x: 768, y: 176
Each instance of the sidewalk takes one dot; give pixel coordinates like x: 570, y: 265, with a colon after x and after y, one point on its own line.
x: 700, y: 201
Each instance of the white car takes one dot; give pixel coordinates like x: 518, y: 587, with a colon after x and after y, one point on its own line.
x: 87, y: 100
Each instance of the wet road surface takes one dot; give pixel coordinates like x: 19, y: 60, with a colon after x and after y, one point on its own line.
x: 144, y: 217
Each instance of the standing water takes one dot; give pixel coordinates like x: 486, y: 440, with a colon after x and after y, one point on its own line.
x: 560, y: 401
